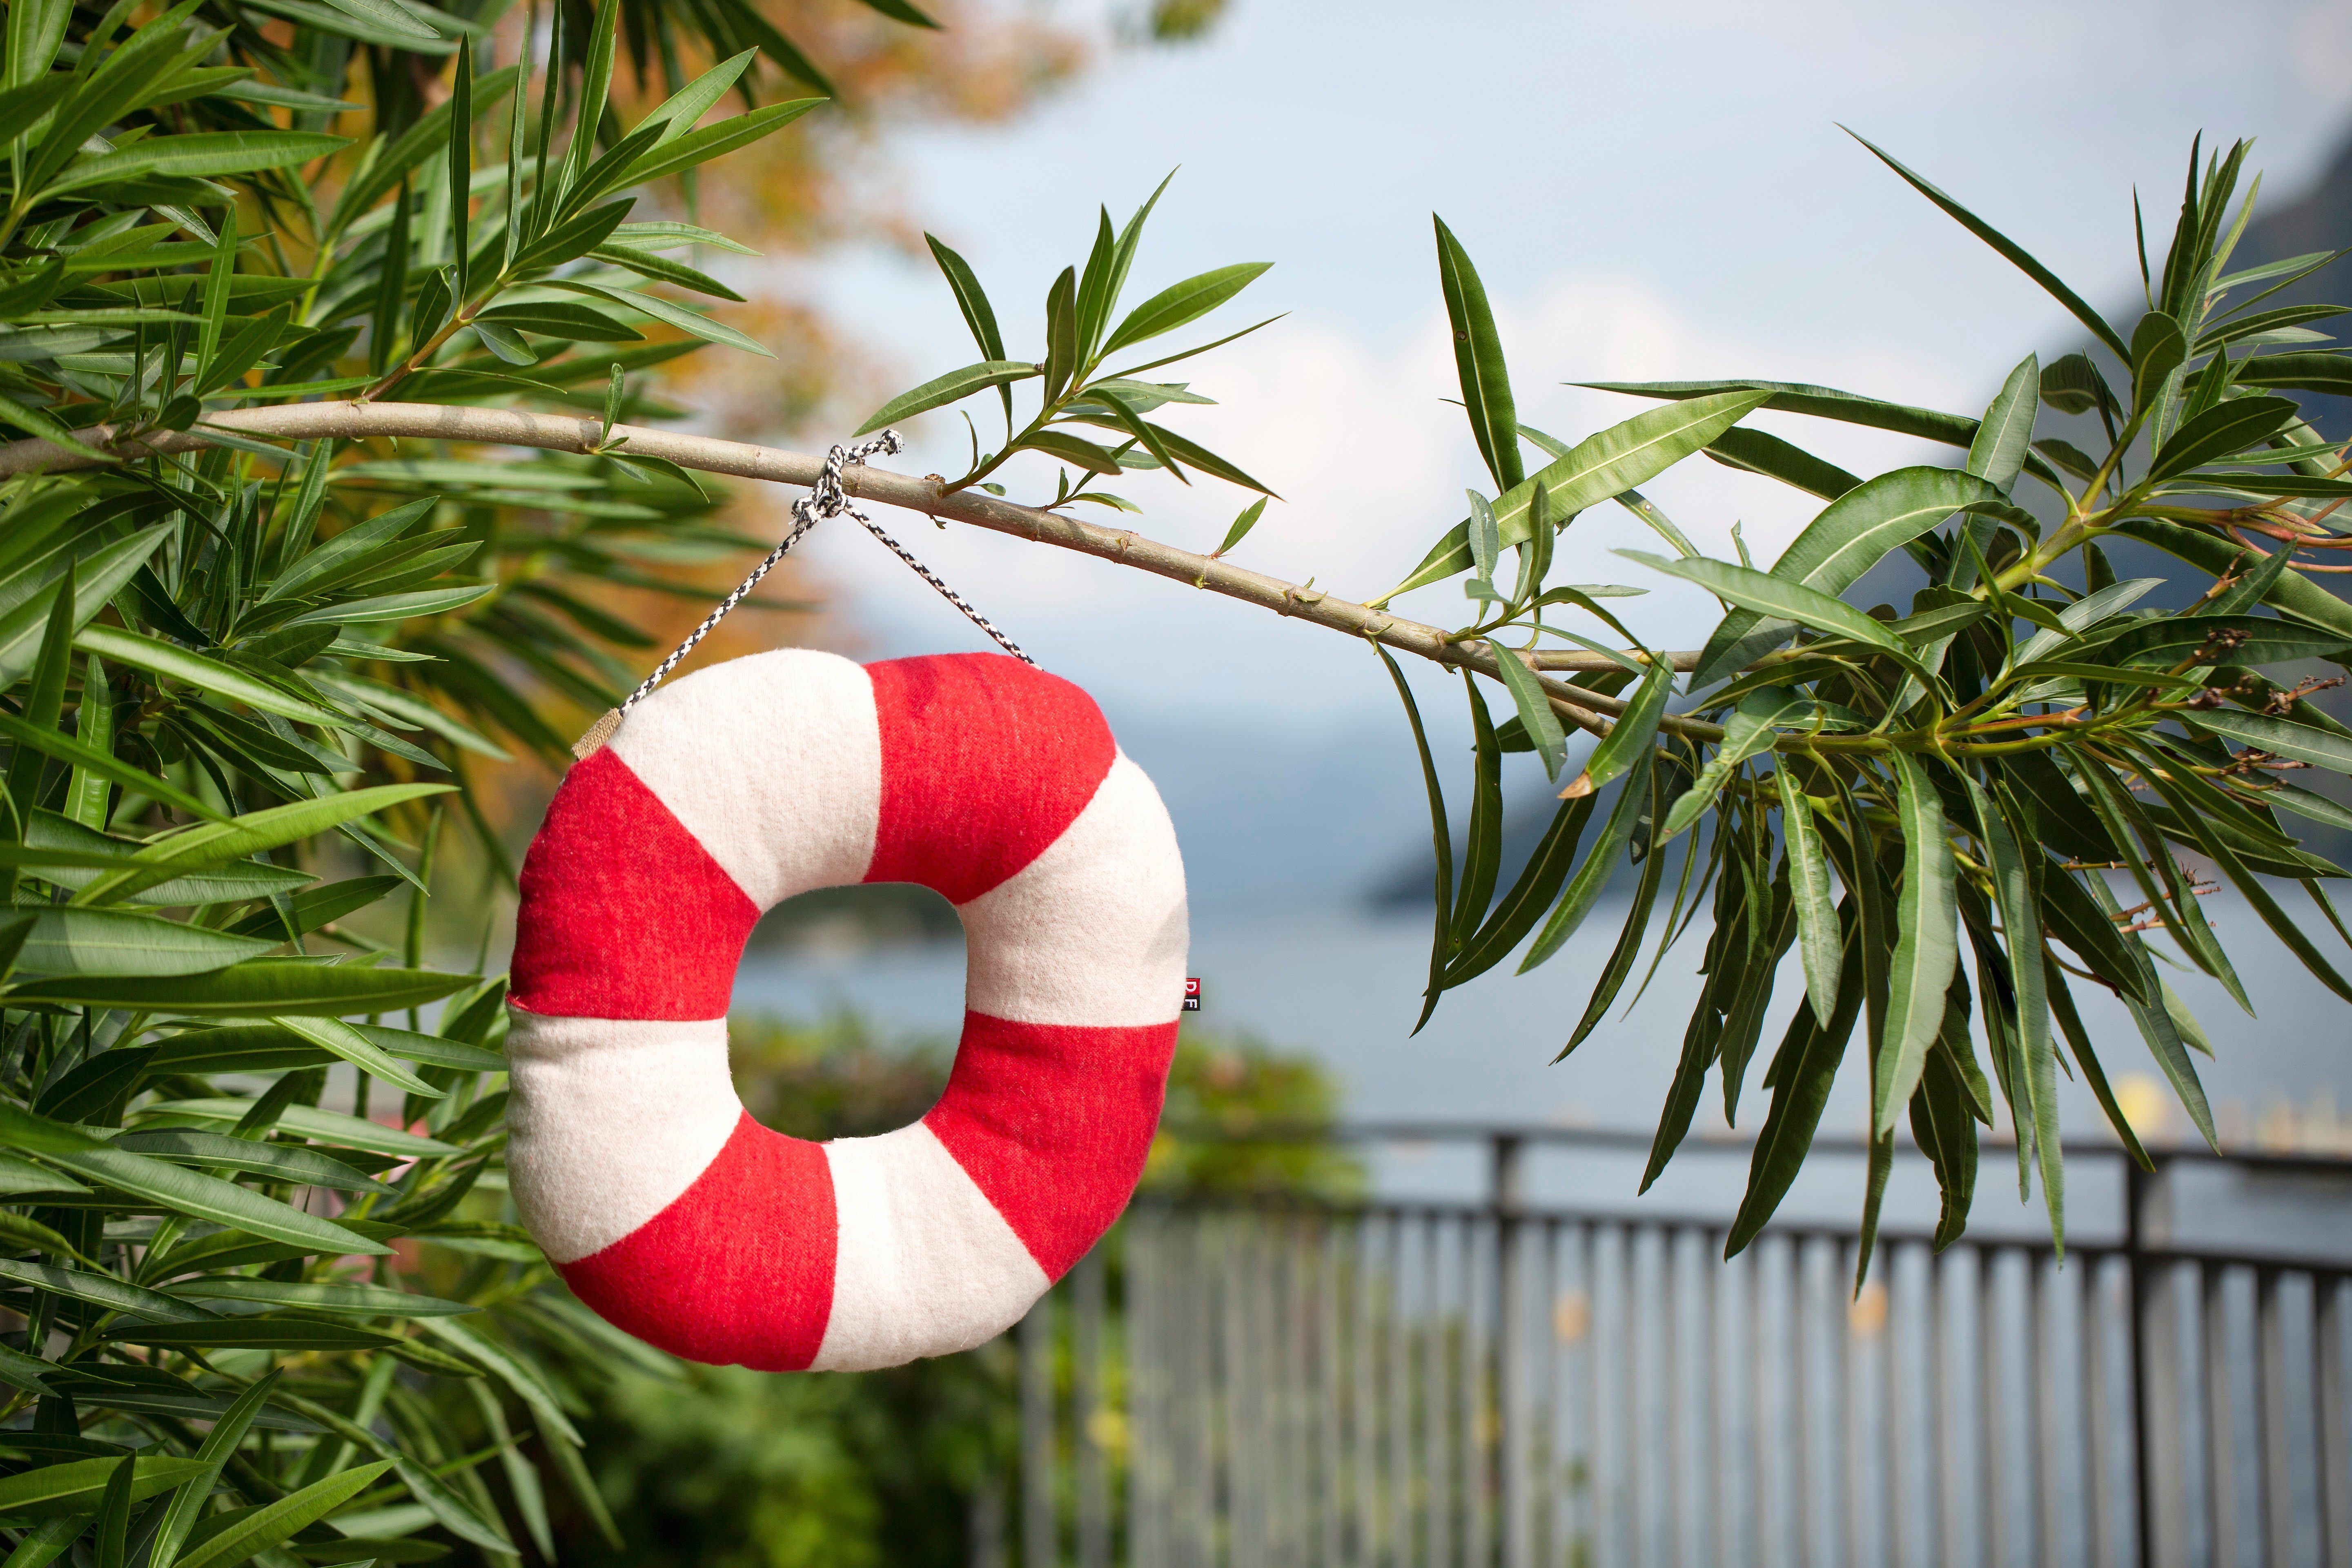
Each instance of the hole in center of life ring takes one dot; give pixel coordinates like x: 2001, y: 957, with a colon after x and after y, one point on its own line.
x: 846, y: 1010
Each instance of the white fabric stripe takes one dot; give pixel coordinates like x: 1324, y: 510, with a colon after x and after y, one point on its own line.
x: 773, y: 762
x: 1093, y: 932
x: 925, y: 1264
x: 612, y: 1119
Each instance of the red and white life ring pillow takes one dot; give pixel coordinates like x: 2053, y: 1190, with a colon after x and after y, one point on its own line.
x: 670, y: 1211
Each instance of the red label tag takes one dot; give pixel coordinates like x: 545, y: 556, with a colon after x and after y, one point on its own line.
x: 1192, y: 995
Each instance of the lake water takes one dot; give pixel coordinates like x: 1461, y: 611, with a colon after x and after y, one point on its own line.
x: 1343, y: 985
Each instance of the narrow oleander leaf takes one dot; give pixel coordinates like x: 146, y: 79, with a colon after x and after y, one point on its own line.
x: 1750, y: 731
x: 1760, y: 453
x: 196, y: 154
x: 2005, y: 434
x: 189, y: 1498
x: 1927, y: 944
x: 104, y: 1290
x: 76, y: 1486
x: 2300, y: 741
x: 1243, y: 523
x: 258, y: 985
x: 281, y: 1161
x: 222, y: 1203
x: 1478, y: 360
x: 1541, y: 724
x: 1631, y: 735
x: 1483, y: 853
x: 1771, y: 597
x: 1061, y: 362
x: 1820, y: 943
x: 273, y: 1522
x: 1621, y: 960
x: 1808, y: 1061
x: 1585, y: 888
x: 2004, y: 830
x: 1519, y: 910
x: 1179, y: 305
x: 2010, y: 250
x: 1617, y: 459
x: 2156, y: 1027
x: 1850, y: 536
x: 1440, y: 835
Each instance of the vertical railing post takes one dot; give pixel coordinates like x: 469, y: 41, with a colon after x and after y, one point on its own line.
x: 1514, y: 1362
x: 1040, y: 1528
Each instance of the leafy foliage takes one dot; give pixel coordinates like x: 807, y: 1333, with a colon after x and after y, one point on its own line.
x: 267, y: 1301
x: 1932, y: 809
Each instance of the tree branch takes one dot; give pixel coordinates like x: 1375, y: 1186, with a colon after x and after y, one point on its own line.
x: 578, y: 434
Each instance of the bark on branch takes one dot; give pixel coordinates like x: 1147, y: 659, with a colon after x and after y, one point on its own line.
x: 1590, y: 711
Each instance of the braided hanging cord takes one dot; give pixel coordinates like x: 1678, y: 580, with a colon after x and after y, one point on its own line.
x: 827, y: 499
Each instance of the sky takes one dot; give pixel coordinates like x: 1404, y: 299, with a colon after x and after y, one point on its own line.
x: 1649, y: 191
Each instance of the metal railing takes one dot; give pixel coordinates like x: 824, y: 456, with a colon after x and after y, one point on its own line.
x: 1263, y: 1385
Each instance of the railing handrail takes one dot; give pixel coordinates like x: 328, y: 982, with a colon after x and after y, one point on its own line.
x: 1634, y: 1139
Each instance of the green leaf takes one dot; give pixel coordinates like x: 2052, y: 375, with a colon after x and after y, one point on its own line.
x: 1749, y: 732
x: 362, y: 1301
x: 1535, y: 718
x: 2300, y: 741
x: 1621, y: 959
x: 330, y: 1127
x: 1768, y: 595
x: 1803, y: 1070
x: 19, y: 1233
x: 98, y: 578
x: 189, y: 1498
x: 217, y: 843
x: 270, y: 986
x: 675, y: 155
x: 1927, y: 945
x: 2014, y: 893
x: 1182, y: 303
x: 1529, y: 896
x: 562, y: 319
x: 197, y: 154
x: 1585, y: 888
x: 280, y: 1161
x: 1440, y: 835
x: 2168, y: 640
x: 2006, y: 433
x: 1620, y: 458
x: 2158, y: 348
x: 289, y: 1336
x: 222, y: 1203
x: 1482, y: 854
x: 978, y: 313
x: 2220, y: 430
x: 1760, y: 453
x: 1061, y: 361
x: 158, y: 658
x: 1820, y: 944
x: 267, y: 1526
x: 671, y: 313
x: 1070, y: 449
x: 1631, y: 735
x: 1850, y: 536
x: 104, y: 1291
x: 118, y: 942
x: 1478, y: 357
x: 75, y: 1487
x: 2010, y: 250
x: 343, y: 1040
x: 1243, y: 523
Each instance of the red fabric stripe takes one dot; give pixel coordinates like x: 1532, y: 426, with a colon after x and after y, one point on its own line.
x: 985, y: 762
x: 624, y: 914
x: 1053, y: 1122
x: 738, y: 1269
